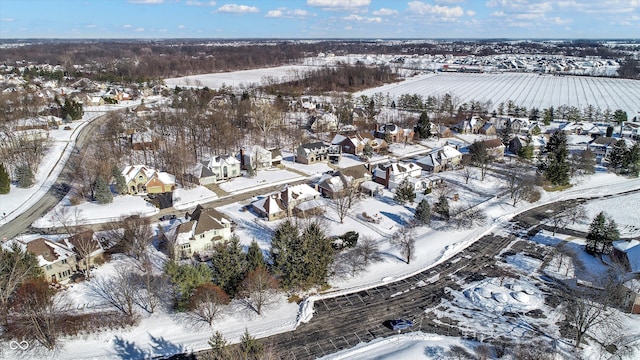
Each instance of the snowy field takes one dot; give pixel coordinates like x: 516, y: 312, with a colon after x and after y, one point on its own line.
x: 243, y: 78
x: 524, y: 89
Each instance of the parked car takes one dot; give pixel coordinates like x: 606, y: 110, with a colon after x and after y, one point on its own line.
x: 167, y: 217
x: 400, y: 324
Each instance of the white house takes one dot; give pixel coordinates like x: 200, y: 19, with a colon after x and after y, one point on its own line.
x: 205, y: 227
x: 222, y: 167
x: 392, y: 174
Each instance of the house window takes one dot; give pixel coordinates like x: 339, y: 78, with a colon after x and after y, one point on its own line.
x: 64, y: 261
x: 202, y: 236
x: 48, y: 267
x: 186, y: 246
x: 140, y: 178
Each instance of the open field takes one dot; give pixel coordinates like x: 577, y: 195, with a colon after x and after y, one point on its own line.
x: 525, y: 89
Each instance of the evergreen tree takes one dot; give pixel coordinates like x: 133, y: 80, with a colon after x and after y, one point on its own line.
x: 556, y: 168
x: 442, y: 207
x: 287, y: 254
x: 72, y: 110
x: 367, y: 150
x: 404, y: 192
x: 255, y: 259
x: 632, y: 161
x: 218, y: 346
x: 229, y: 265
x: 5, y: 181
x: 423, y: 213
x: 547, y: 116
x: 620, y: 117
x: 602, y: 234
x: 102, y: 193
x: 24, y: 176
x: 423, y: 127
x: 250, y: 347
x: 318, y: 255
x: 480, y: 157
x: 505, y: 133
x: 618, y: 155
x: 185, y: 278
x: 121, y: 182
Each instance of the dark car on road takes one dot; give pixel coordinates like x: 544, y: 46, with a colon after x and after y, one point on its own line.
x: 167, y: 217
x: 400, y: 324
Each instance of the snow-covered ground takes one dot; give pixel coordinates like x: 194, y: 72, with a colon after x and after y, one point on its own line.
x: 62, y: 145
x: 524, y: 89
x: 242, y: 78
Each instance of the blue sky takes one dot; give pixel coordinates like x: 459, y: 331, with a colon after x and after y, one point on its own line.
x: 319, y: 19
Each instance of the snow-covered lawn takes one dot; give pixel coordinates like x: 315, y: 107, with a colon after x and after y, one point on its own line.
x: 262, y: 178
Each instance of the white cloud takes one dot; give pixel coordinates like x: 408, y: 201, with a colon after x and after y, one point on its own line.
x: 359, y: 18
x: 348, y: 27
x: 420, y: 8
x: 385, y: 12
x: 471, y: 13
x: 92, y: 26
x: 181, y: 27
x: 127, y: 26
x: 140, y: 29
x: 498, y: 14
x: 275, y: 14
x: 238, y: 9
x: 287, y: 13
x: 560, y: 21
x: 6, y: 19
x: 200, y: 3
x: 447, y: 1
x: 146, y: 1
x: 339, y: 4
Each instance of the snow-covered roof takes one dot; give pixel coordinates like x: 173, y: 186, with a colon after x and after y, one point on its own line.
x: 218, y: 161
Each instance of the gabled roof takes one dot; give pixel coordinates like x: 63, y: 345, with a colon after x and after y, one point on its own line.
x: 221, y: 160
x: 493, y: 143
x: 208, y: 219
x: 48, y: 251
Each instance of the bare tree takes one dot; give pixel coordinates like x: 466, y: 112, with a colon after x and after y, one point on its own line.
x: 369, y: 250
x: 207, y: 302
x: 16, y: 267
x: 405, y: 240
x: 266, y: 118
x: 119, y: 289
x: 152, y: 289
x: 467, y: 218
x: 519, y: 183
x: 134, y: 234
x: 558, y: 219
x: 259, y: 288
x: 576, y: 214
x: 344, y: 199
x: 466, y: 174
x: 590, y: 307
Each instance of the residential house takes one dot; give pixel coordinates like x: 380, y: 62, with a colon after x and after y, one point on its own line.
x: 259, y: 158
x: 627, y: 254
x: 441, y: 159
x: 631, y: 130
x: 488, y: 129
x: 58, y: 262
x: 141, y: 180
x: 371, y: 188
x: 292, y: 200
x: 86, y: 247
x: 353, y: 144
x: 330, y: 184
x: 519, y: 141
x: 601, y: 147
x: 204, y: 227
x: 141, y: 140
x: 312, y: 153
x: 394, y: 133
x: 469, y: 126
x: 444, y: 132
x: 38, y: 123
x: 631, y: 295
x: 223, y: 167
x: 323, y: 122
x: 200, y: 174
x: 495, y: 148
x: 392, y: 174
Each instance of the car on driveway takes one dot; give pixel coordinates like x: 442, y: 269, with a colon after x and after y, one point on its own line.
x: 400, y: 324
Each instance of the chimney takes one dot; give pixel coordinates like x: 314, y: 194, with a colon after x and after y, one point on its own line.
x: 242, y: 158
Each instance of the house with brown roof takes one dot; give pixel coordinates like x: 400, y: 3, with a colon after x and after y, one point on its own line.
x: 394, y: 133
x: 58, y: 262
x: 204, y: 228
x: 495, y: 148
x: 291, y: 200
x: 141, y: 180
